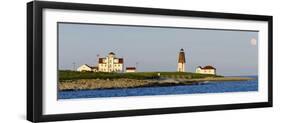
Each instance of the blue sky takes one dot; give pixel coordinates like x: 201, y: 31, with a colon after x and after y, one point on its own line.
x: 156, y: 49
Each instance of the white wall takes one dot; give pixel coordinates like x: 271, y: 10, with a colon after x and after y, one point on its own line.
x: 13, y: 52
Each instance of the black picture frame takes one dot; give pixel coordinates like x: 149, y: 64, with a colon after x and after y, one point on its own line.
x: 35, y: 69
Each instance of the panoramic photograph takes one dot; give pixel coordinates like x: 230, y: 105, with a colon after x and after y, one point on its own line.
x: 106, y: 60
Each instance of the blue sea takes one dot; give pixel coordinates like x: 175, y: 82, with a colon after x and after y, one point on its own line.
x: 206, y: 87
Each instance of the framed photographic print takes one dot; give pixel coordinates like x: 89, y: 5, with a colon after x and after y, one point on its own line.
x: 96, y: 61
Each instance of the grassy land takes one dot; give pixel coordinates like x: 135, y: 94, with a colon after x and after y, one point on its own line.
x: 73, y: 75
x: 72, y: 80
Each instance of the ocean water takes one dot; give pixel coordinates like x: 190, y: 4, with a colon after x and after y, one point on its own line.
x: 209, y: 87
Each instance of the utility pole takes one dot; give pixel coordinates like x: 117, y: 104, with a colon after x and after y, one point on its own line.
x: 137, y: 66
x: 98, y: 55
x: 74, y: 66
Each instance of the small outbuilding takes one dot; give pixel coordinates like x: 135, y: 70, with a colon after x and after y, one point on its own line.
x: 130, y: 69
x: 88, y: 68
x: 206, y: 70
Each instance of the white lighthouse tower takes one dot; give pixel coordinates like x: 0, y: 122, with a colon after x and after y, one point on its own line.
x: 181, y: 61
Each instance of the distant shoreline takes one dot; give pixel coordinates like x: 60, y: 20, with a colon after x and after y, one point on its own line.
x: 97, y: 84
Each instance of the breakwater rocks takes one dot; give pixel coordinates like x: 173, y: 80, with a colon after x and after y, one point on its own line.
x: 91, y: 84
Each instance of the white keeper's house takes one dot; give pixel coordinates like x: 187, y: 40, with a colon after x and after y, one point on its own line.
x: 206, y: 70
x: 111, y: 63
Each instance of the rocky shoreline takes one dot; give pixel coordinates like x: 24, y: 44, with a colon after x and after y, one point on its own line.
x: 94, y: 84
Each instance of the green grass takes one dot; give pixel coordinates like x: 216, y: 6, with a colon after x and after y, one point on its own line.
x: 74, y: 75
x: 186, y: 75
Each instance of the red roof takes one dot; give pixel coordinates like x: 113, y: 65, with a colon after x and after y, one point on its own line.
x: 101, y: 60
x: 111, y: 53
x: 130, y: 68
x: 207, y: 67
x: 120, y: 60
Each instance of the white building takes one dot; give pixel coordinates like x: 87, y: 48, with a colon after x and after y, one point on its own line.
x: 110, y: 63
x: 130, y: 69
x: 181, y: 61
x: 206, y: 70
x: 86, y: 67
